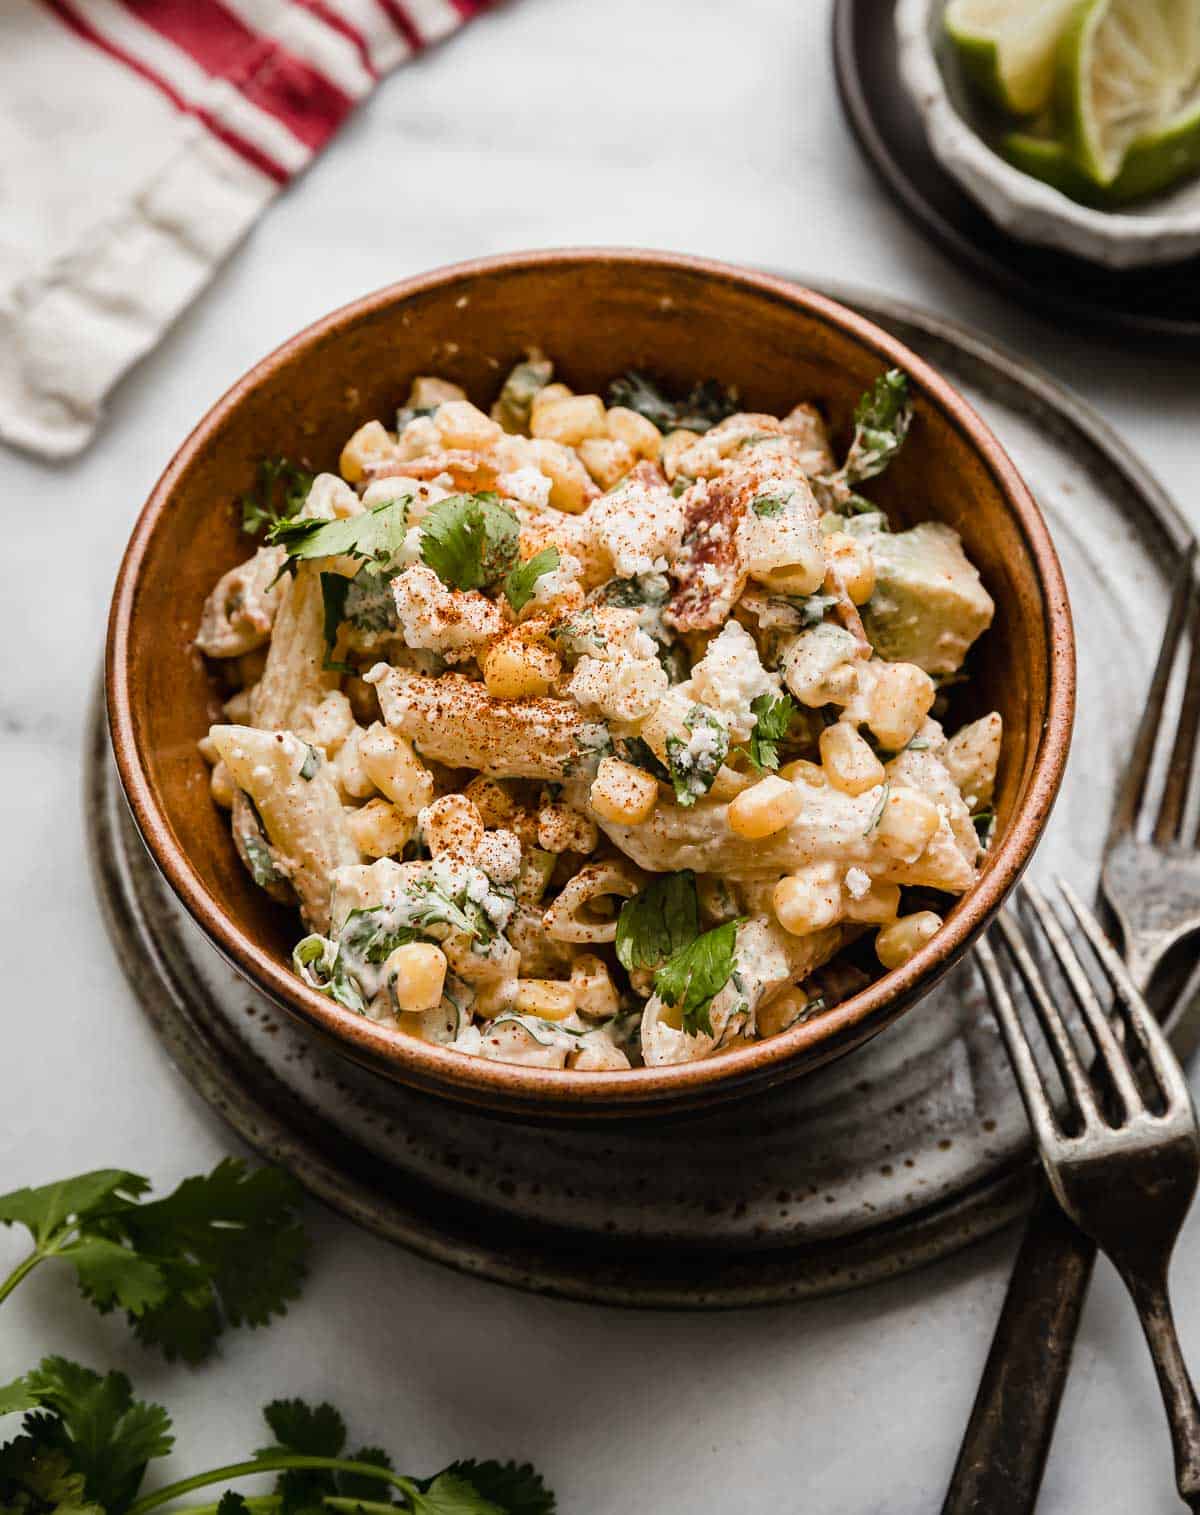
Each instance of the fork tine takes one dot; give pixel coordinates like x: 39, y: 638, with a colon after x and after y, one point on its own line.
x: 1062, y: 1048
x: 1146, y: 1028
x: 1020, y: 1053
x: 1111, y: 1053
x: 1173, y: 805
x: 1133, y: 787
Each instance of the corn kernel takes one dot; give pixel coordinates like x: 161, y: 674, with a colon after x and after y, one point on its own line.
x: 849, y: 763
x: 379, y: 830
x: 781, y: 1012
x: 907, y: 824
x: 419, y: 437
x: 641, y: 436
x: 369, y: 444
x: 728, y: 783
x: 880, y: 904
x: 623, y: 794
x: 221, y: 785
x: 898, y: 704
x: 428, y: 392
x: 494, y: 803
x: 764, y: 808
x: 519, y: 670
x: 808, y: 900
x: 569, y: 421
x: 571, y: 487
x: 549, y: 394
x: 595, y: 993
x: 804, y: 772
x: 415, y: 975
x: 549, y: 999
x: 208, y: 751
x: 606, y: 460
x: 904, y: 938
x: 672, y: 449
x: 395, y: 769
x: 850, y: 566
x: 461, y: 424
x: 452, y: 828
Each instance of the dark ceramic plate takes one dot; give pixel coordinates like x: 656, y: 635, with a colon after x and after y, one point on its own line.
x: 889, y: 1158
x: 1160, y: 303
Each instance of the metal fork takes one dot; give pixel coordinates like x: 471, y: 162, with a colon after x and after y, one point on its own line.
x: 1151, y: 874
x: 1124, y: 1171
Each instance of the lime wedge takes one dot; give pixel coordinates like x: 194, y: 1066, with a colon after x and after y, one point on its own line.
x: 1129, y: 92
x: 1007, y: 48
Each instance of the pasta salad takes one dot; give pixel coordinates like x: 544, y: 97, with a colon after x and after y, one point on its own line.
x: 594, y: 735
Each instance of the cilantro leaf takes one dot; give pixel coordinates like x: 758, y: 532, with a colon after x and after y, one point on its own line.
x: 311, y: 1431
x: 470, y: 540
x: 694, y: 764
x: 99, y: 1428
x: 984, y: 822
x: 48, y: 1209
x: 451, y: 1494
x: 767, y: 505
x: 660, y: 920
x: 520, y: 581
x: 516, y: 1488
x: 111, y: 1275
x: 279, y: 493
x: 705, y: 405
x: 39, y: 1480
x: 881, y: 421
x: 882, y: 418
x: 361, y: 1485
x: 774, y: 715
x: 376, y: 535
x: 18, y: 1395
x: 231, y: 1249
x: 693, y: 976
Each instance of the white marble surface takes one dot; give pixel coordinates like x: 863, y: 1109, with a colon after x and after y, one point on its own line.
x: 712, y: 129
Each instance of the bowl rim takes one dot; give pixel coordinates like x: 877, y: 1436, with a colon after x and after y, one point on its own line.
x: 642, y: 1090
x: 1022, y: 205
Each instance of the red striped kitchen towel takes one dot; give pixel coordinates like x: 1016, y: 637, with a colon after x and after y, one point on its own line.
x: 139, y: 139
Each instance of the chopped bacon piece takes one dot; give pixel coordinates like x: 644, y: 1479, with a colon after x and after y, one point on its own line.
x: 468, y: 470
x: 709, y: 571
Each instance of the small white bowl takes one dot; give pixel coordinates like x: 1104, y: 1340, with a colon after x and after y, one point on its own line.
x: 1164, y: 231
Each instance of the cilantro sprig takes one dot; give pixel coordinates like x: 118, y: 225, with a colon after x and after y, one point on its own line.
x: 773, y: 714
x: 693, y: 976
x: 658, y: 921
x: 86, y: 1444
x: 280, y: 490
x: 882, y: 419
x: 376, y: 535
x: 222, y: 1250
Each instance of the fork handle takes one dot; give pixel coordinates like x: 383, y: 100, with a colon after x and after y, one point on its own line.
x: 1007, y: 1440
x: 1149, y: 1291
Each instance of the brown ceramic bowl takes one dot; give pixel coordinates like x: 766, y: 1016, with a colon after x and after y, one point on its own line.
x: 598, y: 313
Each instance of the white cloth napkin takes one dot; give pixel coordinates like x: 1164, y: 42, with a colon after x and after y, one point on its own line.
x: 139, y: 139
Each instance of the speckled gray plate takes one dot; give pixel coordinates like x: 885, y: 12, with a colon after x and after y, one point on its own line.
x: 897, y: 1155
